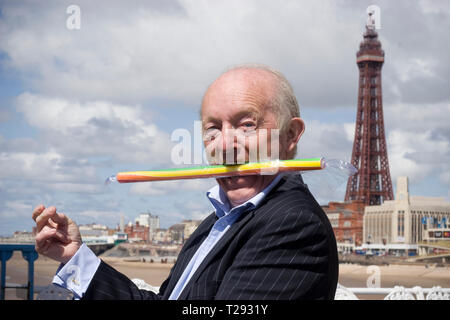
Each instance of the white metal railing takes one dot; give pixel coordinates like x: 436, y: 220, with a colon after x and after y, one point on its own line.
x: 396, y: 293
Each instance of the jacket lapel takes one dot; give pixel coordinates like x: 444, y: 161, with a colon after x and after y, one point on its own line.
x: 227, y: 237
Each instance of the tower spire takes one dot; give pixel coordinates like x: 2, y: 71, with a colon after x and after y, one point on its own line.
x: 372, y: 184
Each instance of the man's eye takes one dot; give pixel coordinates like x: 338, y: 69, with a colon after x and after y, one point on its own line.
x: 247, y: 128
x: 248, y: 125
x: 212, y: 129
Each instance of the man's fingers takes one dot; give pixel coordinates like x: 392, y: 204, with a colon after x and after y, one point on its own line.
x: 52, y: 224
x: 60, y: 219
x: 42, y: 219
x: 37, y: 211
x: 43, y: 237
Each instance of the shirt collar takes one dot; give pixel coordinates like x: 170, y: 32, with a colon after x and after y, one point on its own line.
x: 222, y: 206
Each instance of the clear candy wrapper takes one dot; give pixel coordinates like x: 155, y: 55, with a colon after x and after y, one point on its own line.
x: 331, y: 181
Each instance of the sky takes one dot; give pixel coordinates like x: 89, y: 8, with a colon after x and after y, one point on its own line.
x: 85, y: 96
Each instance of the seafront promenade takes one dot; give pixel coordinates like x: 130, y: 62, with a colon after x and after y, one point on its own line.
x: 350, y: 275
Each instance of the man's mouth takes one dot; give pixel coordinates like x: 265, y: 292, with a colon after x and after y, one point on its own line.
x: 236, y: 182
x: 232, y: 179
x: 229, y: 180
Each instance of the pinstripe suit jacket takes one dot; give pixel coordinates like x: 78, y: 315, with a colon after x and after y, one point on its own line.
x: 283, y: 249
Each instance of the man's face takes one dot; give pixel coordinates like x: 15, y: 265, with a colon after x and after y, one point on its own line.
x: 235, y: 116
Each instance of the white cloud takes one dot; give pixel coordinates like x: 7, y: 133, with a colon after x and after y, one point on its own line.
x: 99, y: 215
x: 157, y: 188
x: 61, y: 115
x: 78, y: 187
x: 417, y: 154
x: 109, y: 218
x: 326, y: 139
x: 17, y: 205
x: 150, y: 189
x: 144, y: 53
x: 16, y: 209
x: 418, y: 140
x: 349, y: 129
x: 445, y: 177
x: 149, y: 51
x: 417, y: 118
x: 198, y: 210
x: 96, y: 128
x: 436, y: 7
x: 416, y: 68
x: 399, y: 145
x: 47, y: 166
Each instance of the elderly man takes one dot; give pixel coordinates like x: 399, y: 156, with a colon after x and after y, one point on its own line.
x: 267, y: 239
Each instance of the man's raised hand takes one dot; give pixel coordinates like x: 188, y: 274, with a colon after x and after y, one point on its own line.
x: 57, y: 237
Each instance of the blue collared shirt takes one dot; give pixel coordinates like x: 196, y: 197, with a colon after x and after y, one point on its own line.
x: 78, y: 272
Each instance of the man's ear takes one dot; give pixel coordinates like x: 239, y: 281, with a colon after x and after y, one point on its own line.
x: 294, y: 131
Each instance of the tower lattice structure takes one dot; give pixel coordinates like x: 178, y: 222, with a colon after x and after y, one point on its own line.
x: 372, y: 184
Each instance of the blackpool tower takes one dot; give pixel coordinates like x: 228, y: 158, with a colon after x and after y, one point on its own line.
x: 372, y: 184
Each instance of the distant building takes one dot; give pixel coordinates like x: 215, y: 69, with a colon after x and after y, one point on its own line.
x: 120, y: 237
x: 23, y: 237
x: 161, y: 236
x: 122, y: 224
x: 438, y: 234
x: 150, y: 221
x: 346, y: 218
x: 407, y: 219
x: 176, y: 233
x: 93, y: 230
x: 137, y: 232
x: 153, y: 224
x: 96, y: 233
x: 189, y: 227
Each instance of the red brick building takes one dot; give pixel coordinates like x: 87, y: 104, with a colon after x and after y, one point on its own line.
x: 346, y: 218
x: 137, y: 232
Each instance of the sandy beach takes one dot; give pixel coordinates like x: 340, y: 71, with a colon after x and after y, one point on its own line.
x: 350, y: 275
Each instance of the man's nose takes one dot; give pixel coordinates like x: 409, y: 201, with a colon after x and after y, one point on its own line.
x: 232, y: 151
x: 228, y: 139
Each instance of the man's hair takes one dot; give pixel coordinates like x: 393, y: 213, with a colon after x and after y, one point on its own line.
x: 285, y: 105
